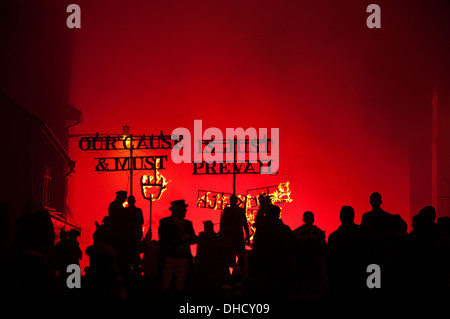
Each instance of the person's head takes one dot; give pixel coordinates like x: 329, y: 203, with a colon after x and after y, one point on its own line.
x: 263, y: 200
x: 102, y: 260
x: 375, y: 200
x: 429, y: 214
x: 347, y: 215
x: 308, y: 218
x: 273, y: 212
x: 63, y: 234
x: 178, y: 208
x: 131, y: 200
x: 208, y: 226
x: 121, y: 196
x: 233, y: 200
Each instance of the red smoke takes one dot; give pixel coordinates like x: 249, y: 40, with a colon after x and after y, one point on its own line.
x: 340, y: 94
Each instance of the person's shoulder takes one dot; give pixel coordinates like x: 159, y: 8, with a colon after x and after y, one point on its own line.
x: 299, y: 232
x: 366, y: 216
x: 286, y: 228
x: 165, y: 220
x: 334, y: 237
x: 317, y: 230
x: 334, y: 234
x: 299, y: 229
x: 386, y: 213
x: 113, y: 204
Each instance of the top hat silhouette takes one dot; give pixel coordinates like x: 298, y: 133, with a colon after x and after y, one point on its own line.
x: 178, y: 204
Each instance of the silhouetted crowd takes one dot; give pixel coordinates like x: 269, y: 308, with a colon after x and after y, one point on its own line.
x: 278, y: 263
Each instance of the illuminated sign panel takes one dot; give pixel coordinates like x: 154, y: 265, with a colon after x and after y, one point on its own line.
x: 137, y: 163
x: 219, y: 200
x: 152, y: 183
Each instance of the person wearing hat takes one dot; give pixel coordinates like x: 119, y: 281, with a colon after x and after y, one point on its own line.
x: 133, y: 222
x: 176, y: 234
x: 116, y: 208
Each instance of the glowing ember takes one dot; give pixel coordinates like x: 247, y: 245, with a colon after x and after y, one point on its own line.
x: 150, y: 182
x: 127, y: 140
x: 282, y: 194
x: 218, y: 201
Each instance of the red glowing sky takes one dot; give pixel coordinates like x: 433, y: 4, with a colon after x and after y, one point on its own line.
x: 344, y: 97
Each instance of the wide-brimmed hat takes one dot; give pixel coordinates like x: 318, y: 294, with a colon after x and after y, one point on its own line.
x: 178, y: 204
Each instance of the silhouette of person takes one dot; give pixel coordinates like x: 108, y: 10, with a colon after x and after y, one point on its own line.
x: 113, y: 229
x: 273, y: 252
x: 396, y: 257
x: 35, y: 237
x: 231, y: 236
x: 150, y: 266
x: 206, y: 260
x: 442, y: 245
x: 375, y: 222
x: 103, y: 280
x: 134, y: 223
x: 67, y: 251
x: 374, y: 226
x: 425, y: 258
x: 176, y: 234
x: 309, y: 263
x: 207, y: 251
x: 104, y: 232
x: 115, y: 208
x: 264, y: 202
x: 428, y: 219
x: 35, y: 230
x: 259, y: 224
x: 344, y: 257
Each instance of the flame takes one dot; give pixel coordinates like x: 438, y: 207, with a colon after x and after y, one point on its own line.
x: 149, y: 181
x: 216, y: 203
x: 127, y: 140
x: 204, y: 199
x: 282, y: 194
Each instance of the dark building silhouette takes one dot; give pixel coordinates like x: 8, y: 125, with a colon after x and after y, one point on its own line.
x: 36, y: 62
